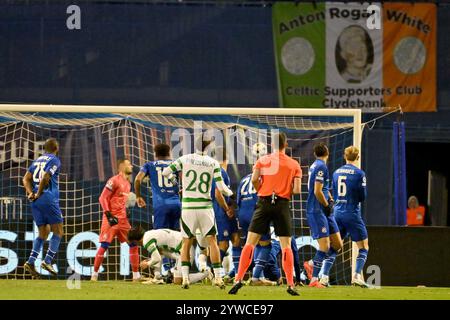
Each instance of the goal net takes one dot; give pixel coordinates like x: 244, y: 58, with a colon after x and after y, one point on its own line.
x: 93, y: 138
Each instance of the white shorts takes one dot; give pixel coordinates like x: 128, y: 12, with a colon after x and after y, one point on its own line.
x: 201, y: 219
x: 202, y: 242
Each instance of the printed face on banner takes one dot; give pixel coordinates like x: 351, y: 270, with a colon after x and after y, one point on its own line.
x: 354, y: 54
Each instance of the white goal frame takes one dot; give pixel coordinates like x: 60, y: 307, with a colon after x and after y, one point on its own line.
x: 356, y: 114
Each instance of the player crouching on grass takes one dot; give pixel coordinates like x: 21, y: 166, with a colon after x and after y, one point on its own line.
x: 163, y: 243
x: 275, y: 177
x: 115, y: 222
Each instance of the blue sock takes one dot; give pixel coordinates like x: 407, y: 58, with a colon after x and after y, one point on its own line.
x: 232, y: 273
x: 236, y: 251
x: 256, y: 253
x: 261, y: 257
x: 361, y: 260
x: 37, y: 247
x: 328, y: 262
x: 222, y: 254
x: 317, y: 261
x: 166, y: 263
x: 52, y: 248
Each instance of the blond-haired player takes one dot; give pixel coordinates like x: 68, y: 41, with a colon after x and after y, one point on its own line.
x: 349, y: 191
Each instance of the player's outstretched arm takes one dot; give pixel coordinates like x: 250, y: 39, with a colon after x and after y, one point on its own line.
x: 297, y: 186
x: 43, y: 184
x: 217, y: 175
x: 170, y: 171
x: 28, y: 185
x: 256, y: 181
x: 318, y: 193
x: 137, y: 189
x: 223, y: 187
x: 297, y: 183
x: 223, y: 204
x: 155, y: 259
x: 363, y: 188
x: 105, y: 198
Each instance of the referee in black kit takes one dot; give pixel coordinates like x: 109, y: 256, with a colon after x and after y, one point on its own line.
x: 275, y: 177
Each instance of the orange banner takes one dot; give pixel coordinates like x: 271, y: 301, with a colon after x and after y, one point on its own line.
x: 409, y: 66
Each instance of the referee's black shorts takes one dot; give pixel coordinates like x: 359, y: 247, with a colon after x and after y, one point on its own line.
x: 266, y: 212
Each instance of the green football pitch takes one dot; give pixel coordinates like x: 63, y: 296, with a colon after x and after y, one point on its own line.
x: 110, y: 290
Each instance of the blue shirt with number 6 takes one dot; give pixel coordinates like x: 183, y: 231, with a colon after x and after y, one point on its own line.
x: 349, y: 189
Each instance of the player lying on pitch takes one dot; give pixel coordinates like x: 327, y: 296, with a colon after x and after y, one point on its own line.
x: 164, y: 243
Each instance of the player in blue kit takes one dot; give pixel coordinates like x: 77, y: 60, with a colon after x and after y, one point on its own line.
x: 166, y: 199
x: 41, y: 185
x: 165, y: 195
x: 349, y: 190
x: 227, y: 226
x: 272, y: 270
x: 319, y: 212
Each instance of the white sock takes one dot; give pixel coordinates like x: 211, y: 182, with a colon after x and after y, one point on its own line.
x: 95, y: 274
x: 202, y: 262
x: 136, y: 275
x: 218, y: 272
x: 185, y: 272
x: 196, y: 277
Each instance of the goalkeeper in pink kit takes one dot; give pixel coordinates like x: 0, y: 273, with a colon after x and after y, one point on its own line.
x: 115, y: 222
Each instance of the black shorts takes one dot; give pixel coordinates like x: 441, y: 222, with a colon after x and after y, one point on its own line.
x: 265, y: 212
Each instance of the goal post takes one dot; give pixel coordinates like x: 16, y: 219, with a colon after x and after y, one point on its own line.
x: 94, y: 135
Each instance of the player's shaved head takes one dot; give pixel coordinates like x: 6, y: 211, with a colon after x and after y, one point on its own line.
x: 124, y: 165
x: 321, y: 150
x: 162, y: 150
x: 51, y: 145
x: 136, y: 234
x: 281, y: 139
x: 351, y: 153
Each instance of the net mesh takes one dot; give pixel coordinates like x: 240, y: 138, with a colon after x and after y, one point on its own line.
x: 90, y: 145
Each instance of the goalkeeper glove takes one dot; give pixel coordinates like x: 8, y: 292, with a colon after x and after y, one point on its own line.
x: 111, y: 219
x: 328, y: 210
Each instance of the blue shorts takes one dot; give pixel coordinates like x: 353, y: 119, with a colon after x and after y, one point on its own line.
x: 225, y: 227
x: 46, y: 212
x: 351, y: 224
x: 321, y: 226
x: 244, y: 223
x: 167, y: 216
